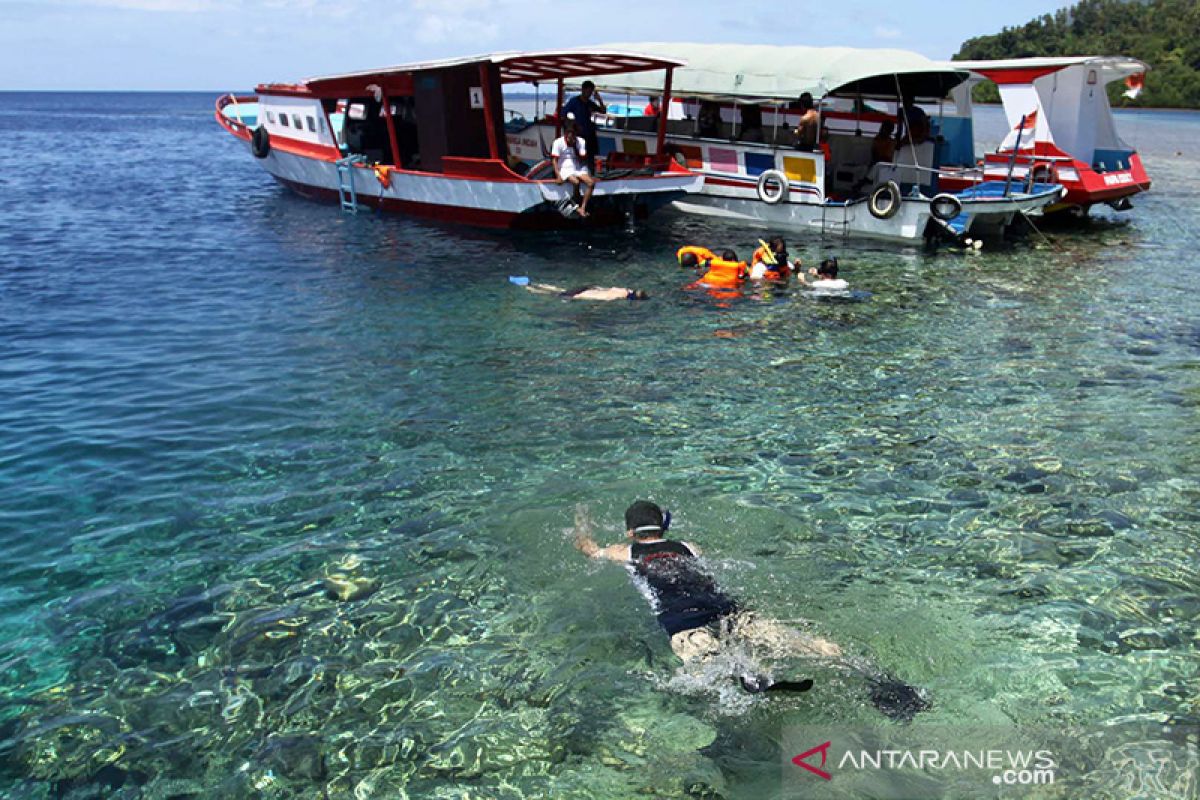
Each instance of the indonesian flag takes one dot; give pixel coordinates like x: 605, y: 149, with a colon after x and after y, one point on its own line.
x: 1135, y: 84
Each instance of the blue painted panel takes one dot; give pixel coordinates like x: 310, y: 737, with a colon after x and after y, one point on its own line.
x: 958, y: 145
x: 607, y: 145
x: 758, y: 163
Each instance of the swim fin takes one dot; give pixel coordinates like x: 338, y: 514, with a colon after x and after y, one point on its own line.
x: 758, y: 684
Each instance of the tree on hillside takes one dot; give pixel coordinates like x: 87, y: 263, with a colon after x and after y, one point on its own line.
x: 1163, y: 33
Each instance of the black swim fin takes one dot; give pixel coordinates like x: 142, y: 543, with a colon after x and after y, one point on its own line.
x: 758, y: 684
x: 896, y: 699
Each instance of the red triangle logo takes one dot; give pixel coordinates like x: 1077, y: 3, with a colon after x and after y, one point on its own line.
x: 823, y: 749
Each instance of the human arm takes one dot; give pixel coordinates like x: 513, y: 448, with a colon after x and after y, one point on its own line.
x: 556, y: 151
x: 587, y: 545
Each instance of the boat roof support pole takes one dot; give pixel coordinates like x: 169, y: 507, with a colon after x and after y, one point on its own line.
x: 391, y: 126
x: 485, y: 81
x: 664, y: 111
x: 558, y: 111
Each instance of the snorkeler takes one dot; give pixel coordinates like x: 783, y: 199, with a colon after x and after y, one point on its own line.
x: 601, y: 293
x: 701, y: 619
x: 825, y: 277
x: 770, y: 261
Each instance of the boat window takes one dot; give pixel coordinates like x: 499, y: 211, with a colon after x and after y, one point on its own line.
x: 271, y: 116
x: 296, y: 121
x: 283, y: 120
x: 312, y: 125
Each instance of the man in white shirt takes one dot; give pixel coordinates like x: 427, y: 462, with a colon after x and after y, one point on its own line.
x: 568, y: 154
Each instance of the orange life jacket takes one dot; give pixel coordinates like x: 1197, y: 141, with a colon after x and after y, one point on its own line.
x: 702, y: 254
x: 723, y: 273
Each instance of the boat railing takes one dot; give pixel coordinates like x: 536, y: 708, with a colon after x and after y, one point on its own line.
x: 234, y: 123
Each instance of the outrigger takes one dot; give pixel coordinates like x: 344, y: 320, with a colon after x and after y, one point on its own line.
x: 428, y: 139
x: 1061, y: 130
x: 753, y: 171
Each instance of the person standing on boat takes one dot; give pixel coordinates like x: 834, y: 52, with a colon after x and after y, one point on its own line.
x: 809, y: 125
x: 651, y: 109
x: 568, y: 154
x: 583, y: 105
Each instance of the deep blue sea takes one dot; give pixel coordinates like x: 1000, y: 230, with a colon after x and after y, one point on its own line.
x: 984, y: 477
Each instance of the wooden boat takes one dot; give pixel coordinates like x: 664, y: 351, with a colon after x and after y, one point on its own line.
x: 428, y: 139
x: 1061, y: 129
x: 765, y: 180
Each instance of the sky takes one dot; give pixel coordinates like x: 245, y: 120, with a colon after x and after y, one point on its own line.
x: 236, y: 44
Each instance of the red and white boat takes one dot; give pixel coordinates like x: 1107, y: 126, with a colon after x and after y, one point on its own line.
x: 1061, y: 129
x: 428, y: 139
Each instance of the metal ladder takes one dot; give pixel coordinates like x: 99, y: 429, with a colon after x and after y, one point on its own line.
x: 347, y: 195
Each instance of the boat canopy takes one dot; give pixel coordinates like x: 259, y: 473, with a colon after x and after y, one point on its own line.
x: 1025, y: 70
x: 513, y: 67
x: 761, y: 73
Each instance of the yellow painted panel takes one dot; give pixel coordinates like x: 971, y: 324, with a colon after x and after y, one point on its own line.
x: 798, y: 168
x: 634, y: 147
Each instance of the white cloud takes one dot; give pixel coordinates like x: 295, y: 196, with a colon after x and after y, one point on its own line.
x: 887, y: 32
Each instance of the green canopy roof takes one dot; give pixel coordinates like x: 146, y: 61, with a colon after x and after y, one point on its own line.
x: 768, y: 72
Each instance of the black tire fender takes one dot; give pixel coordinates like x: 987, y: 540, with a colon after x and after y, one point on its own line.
x: 945, y: 207
x: 884, y: 202
x: 260, y: 142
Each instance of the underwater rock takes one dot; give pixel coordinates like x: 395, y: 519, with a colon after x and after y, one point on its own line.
x: 1092, y: 527
x: 294, y: 755
x: 1115, y: 519
x: 677, y: 733
x: 347, y: 589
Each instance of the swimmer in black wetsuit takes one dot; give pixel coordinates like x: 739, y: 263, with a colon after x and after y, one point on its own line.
x: 700, y: 618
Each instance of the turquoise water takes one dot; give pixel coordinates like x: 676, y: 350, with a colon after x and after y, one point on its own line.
x: 983, y: 477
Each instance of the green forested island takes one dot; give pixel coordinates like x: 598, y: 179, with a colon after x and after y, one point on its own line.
x: 1163, y: 33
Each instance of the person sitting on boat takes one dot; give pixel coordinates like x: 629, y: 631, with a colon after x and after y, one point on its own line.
x: 914, y: 124
x: 809, y: 126
x: 752, y: 125
x: 652, y: 107
x: 883, y: 146
x: 601, y: 293
x: 825, y: 277
x: 703, y: 622
x: 567, y: 155
x: 583, y: 105
x: 770, y: 262
x: 708, y: 120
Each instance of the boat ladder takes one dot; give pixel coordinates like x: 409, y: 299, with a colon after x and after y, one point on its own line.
x: 841, y: 226
x: 347, y: 195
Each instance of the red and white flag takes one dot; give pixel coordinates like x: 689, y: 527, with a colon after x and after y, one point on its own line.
x: 1134, y: 84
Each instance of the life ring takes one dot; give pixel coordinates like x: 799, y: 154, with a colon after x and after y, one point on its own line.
x: 765, y: 194
x: 884, y: 201
x: 260, y: 142
x: 1041, y: 173
x: 945, y: 207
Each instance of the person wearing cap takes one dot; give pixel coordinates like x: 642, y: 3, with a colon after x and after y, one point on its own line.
x: 582, y: 106
x: 696, y: 614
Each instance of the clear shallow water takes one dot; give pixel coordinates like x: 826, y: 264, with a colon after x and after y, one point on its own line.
x: 214, y: 394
